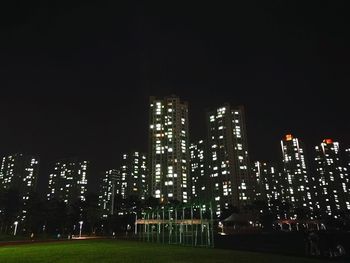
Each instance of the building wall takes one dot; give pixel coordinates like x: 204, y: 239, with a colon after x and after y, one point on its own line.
x: 168, y: 149
x: 297, y: 181
x: 68, y: 181
x: 332, y: 179
x: 347, y: 158
x: 20, y: 172
x: 109, y: 186
x: 228, y: 160
x: 135, y: 176
x: 267, y: 185
x: 198, y: 173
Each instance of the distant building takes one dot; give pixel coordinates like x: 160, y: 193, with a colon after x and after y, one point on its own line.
x: 134, y: 175
x: 110, y: 186
x: 347, y: 162
x: 198, y: 171
x: 168, y: 149
x: 68, y: 181
x: 332, y: 179
x: 297, y: 182
x: 20, y: 172
x: 267, y: 183
x: 347, y: 158
x: 228, y: 160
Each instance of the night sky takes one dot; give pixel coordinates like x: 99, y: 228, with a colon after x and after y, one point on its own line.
x: 75, y: 79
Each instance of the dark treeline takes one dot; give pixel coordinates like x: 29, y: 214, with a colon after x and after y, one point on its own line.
x: 48, y: 218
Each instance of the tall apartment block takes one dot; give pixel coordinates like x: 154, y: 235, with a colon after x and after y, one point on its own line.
x: 347, y: 162
x: 68, y: 181
x: 20, y: 172
x: 198, y: 171
x: 228, y: 160
x: 347, y: 158
x: 297, y: 182
x: 266, y: 183
x: 169, y: 149
x: 332, y: 179
x: 109, y: 187
x: 134, y: 175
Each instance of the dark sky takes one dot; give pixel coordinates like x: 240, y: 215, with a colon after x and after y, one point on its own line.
x: 75, y: 78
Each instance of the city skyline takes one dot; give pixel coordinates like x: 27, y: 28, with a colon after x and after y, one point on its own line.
x: 70, y: 78
x: 97, y: 167
x: 141, y: 130
x: 80, y: 144
x: 219, y: 166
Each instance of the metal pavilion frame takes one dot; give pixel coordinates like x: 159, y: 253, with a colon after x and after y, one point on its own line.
x: 185, y: 224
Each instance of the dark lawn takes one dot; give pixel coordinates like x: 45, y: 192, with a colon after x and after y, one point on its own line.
x: 100, y: 251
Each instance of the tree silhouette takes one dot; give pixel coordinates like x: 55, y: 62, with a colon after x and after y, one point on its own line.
x: 36, y: 210
x: 10, y: 208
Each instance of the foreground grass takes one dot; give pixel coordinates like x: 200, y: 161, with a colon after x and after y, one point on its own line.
x: 101, y: 251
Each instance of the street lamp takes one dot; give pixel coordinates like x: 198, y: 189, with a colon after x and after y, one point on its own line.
x: 81, y: 226
x: 15, y: 231
x: 135, y: 223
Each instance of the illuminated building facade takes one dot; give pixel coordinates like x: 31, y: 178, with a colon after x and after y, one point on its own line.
x: 347, y: 158
x: 134, y: 175
x: 68, y: 181
x: 266, y: 182
x: 169, y: 149
x: 332, y: 179
x: 228, y: 161
x: 20, y: 172
x: 297, y: 183
x: 110, y: 186
x: 198, y: 171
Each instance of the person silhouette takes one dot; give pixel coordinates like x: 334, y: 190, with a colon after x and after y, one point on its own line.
x: 314, y: 244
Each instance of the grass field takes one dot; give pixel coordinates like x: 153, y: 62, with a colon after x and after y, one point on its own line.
x: 104, y: 251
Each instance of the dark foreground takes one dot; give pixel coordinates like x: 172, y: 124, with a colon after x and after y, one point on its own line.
x: 131, y: 251
x: 285, y: 243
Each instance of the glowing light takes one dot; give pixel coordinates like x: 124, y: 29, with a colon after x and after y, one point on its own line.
x: 328, y: 141
x: 15, y: 231
x: 289, y: 137
x: 80, y: 228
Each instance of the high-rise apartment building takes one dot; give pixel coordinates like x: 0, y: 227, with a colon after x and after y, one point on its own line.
x: 347, y: 163
x: 228, y: 160
x: 134, y: 175
x: 266, y: 183
x: 332, y: 179
x: 347, y: 158
x: 168, y: 149
x: 20, y: 172
x: 68, y: 181
x: 297, y: 182
x: 198, y: 171
x: 109, y: 187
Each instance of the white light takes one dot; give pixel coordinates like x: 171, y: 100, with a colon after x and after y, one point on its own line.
x: 15, y: 231
x: 81, y: 226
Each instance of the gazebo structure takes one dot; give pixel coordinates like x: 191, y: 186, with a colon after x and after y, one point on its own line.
x: 236, y: 223
x: 184, y: 224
